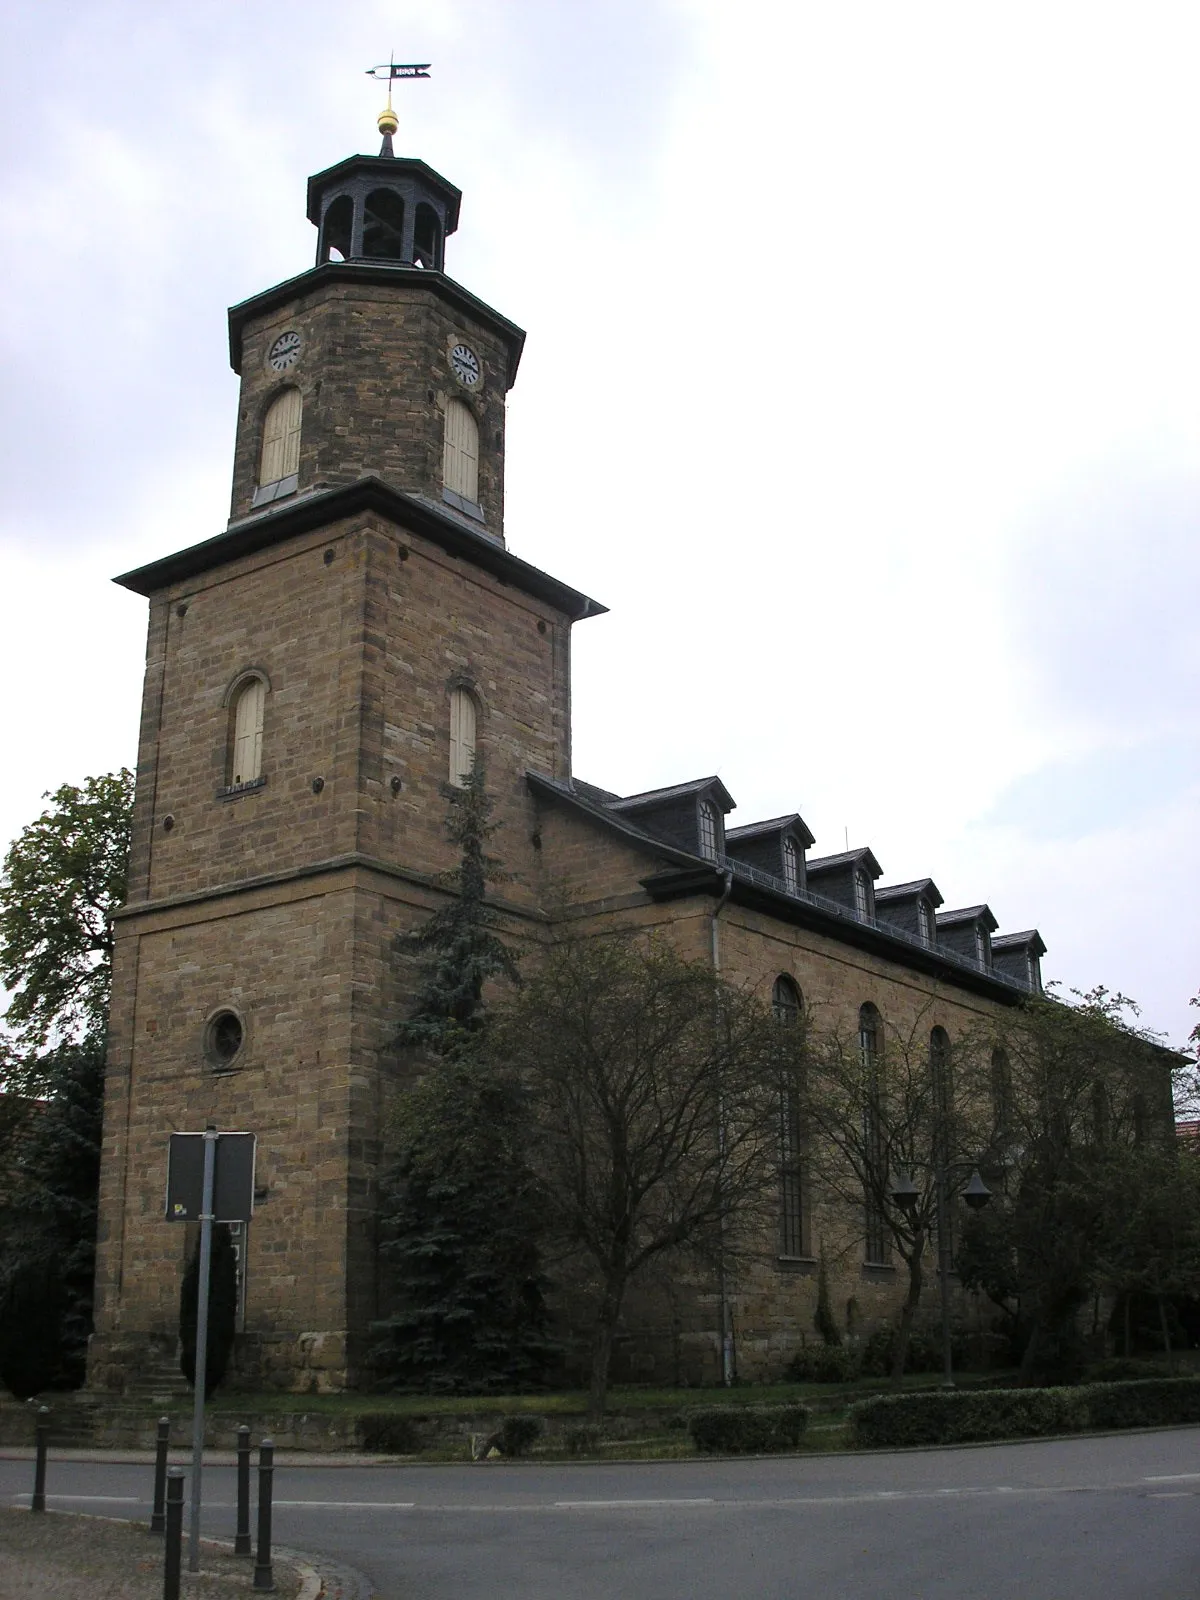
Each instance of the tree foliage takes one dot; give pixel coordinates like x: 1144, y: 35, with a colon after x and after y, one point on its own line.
x: 48, y: 1223
x: 461, y: 1220
x: 458, y: 950
x: 655, y: 1090
x: 62, y: 880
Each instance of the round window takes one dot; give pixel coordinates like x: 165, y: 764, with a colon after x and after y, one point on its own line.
x: 223, y: 1038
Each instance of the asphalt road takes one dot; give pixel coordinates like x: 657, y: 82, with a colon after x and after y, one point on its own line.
x: 1116, y: 1518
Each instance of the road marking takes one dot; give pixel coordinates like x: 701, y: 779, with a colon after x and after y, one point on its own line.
x: 90, y: 1499
x: 352, y: 1505
x: 579, y: 1505
x: 1173, y: 1477
x: 1170, y: 1494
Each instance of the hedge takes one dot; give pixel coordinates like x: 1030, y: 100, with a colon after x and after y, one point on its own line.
x: 746, y: 1430
x: 971, y: 1416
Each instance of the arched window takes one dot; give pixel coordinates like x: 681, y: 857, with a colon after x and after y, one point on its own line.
x: 460, y: 453
x: 924, y: 922
x: 1002, y: 1091
x: 281, y: 438
x: 940, y: 1073
x: 709, y: 827
x: 462, y: 736
x: 785, y: 1001
x: 383, y: 226
x: 336, y: 227
x: 791, y: 863
x: 876, y: 1174
x: 983, y: 946
x: 246, y: 733
x: 427, y: 238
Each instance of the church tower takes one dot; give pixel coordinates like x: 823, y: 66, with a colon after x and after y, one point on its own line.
x: 319, y: 677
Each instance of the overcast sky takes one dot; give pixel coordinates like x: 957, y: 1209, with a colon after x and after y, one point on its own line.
x: 861, y: 384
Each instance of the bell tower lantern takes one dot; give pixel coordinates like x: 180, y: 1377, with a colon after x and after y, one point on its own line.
x: 374, y: 364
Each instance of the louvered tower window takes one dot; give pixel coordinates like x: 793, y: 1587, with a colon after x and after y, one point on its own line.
x: 460, y: 455
x: 462, y: 736
x: 245, y: 756
x: 281, y: 438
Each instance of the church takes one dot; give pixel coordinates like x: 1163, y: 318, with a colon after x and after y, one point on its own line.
x: 317, y: 674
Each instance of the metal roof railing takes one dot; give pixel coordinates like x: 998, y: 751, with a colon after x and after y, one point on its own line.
x: 845, y: 913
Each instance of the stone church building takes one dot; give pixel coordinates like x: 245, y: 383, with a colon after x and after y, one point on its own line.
x: 316, y: 674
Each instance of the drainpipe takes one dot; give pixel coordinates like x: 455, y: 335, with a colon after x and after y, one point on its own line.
x: 727, y: 1350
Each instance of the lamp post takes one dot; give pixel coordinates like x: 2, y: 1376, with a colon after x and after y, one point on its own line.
x: 977, y: 1194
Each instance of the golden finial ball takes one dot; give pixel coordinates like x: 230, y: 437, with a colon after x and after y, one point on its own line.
x: 388, y: 121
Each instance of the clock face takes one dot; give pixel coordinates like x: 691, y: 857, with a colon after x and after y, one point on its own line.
x: 285, y: 352
x: 464, y: 364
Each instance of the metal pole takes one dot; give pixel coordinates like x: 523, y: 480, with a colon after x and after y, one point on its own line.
x: 41, y: 1435
x: 241, y: 1544
x: 173, y: 1547
x: 264, y: 1578
x: 206, y: 1223
x: 158, y: 1517
x: 944, y: 1272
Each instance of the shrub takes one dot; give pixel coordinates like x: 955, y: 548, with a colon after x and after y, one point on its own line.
x: 516, y: 1434
x: 746, y: 1430
x: 823, y: 1363
x: 387, y: 1434
x: 584, y: 1440
x: 1142, y: 1403
x: 962, y: 1416
x: 1125, y: 1369
x: 924, y: 1350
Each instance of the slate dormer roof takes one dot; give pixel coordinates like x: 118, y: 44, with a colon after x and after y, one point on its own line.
x: 967, y: 931
x: 900, y: 904
x: 1018, y: 956
x: 846, y: 858
x: 793, y: 822
x: 968, y: 914
x: 706, y: 788
x: 689, y: 815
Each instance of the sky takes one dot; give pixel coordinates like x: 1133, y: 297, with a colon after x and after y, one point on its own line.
x: 860, y: 384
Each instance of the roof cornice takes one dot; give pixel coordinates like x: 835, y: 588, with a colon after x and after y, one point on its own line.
x: 325, y: 506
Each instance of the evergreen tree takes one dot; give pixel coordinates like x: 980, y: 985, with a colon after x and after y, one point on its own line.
x: 458, y: 949
x: 48, y: 1225
x: 222, y: 1310
x: 460, y: 1211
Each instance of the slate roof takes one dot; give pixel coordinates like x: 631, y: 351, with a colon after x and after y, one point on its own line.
x: 843, y: 859
x: 1031, y: 939
x: 756, y: 830
x: 953, y: 919
x: 909, y: 891
x: 677, y: 791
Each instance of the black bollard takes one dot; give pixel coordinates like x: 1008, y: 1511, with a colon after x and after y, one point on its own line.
x: 173, y: 1547
x: 263, y: 1576
x: 158, y: 1517
x: 241, y: 1543
x: 42, y: 1434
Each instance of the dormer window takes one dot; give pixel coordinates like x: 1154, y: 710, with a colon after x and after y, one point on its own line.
x: 862, y: 893
x: 983, y: 949
x: 791, y: 864
x: 709, y: 830
x: 924, y: 922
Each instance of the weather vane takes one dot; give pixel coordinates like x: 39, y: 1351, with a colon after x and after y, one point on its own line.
x: 388, y: 73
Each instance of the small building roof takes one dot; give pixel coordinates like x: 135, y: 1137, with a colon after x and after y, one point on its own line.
x: 846, y: 858
x: 650, y: 797
x: 894, y: 892
x: 793, y: 822
x: 1031, y: 940
x: 953, y: 919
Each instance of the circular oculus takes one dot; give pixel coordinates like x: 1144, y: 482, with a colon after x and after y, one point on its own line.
x: 464, y: 364
x: 285, y: 352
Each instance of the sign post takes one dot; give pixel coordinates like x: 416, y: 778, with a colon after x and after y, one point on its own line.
x: 210, y: 1178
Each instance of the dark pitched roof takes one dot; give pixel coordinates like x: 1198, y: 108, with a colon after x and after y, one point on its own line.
x: 755, y: 830
x: 580, y: 798
x: 952, y: 919
x: 676, y: 790
x: 845, y: 858
x: 909, y: 891
x: 1031, y: 939
x: 590, y: 791
x: 324, y: 506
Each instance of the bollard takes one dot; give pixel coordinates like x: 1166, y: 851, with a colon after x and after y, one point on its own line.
x: 241, y: 1543
x: 173, y: 1548
x: 158, y: 1517
x: 39, y: 1470
x: 263, y: 1576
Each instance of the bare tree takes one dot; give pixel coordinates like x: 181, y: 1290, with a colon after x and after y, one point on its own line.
x: 656, y: 1090
x: 889, y: 1116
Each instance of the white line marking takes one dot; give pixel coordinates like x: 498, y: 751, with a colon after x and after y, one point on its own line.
x: 578, y: 1505
x: 1173, y: 1477
x: 89, y: 1499
x: 352, y: 1505
x: 1170, y: 1494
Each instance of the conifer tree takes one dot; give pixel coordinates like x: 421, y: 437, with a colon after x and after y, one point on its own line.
x: 460, y: 1210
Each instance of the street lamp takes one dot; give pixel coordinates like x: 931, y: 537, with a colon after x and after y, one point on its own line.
x: 905, y: 1194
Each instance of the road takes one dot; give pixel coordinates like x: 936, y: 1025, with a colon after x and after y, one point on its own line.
x: 1114, y: 1518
